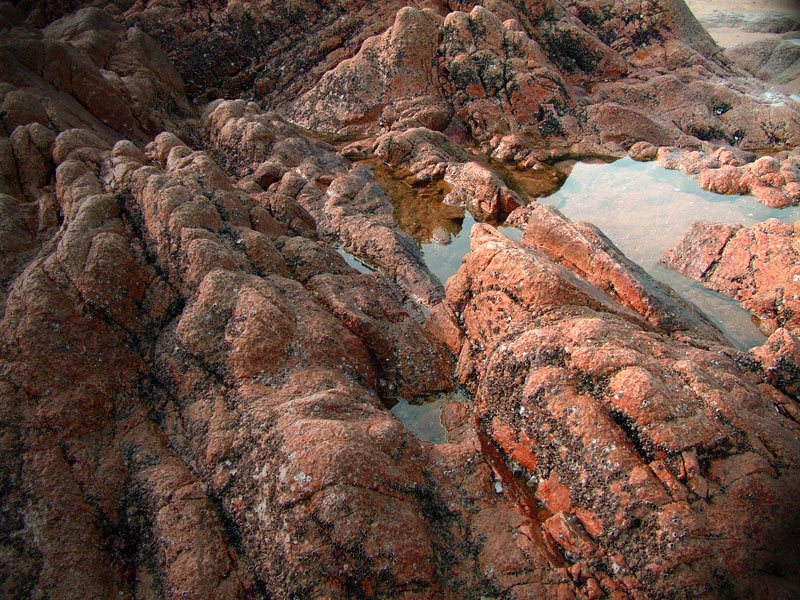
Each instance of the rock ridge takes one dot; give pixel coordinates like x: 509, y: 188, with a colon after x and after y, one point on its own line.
x: 195, y: 385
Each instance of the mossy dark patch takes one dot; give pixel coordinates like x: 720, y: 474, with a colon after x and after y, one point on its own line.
x: 588, y: 16
x: 566, y: 49
x: 708, y: 132
x: 721, y: 107
x: 550, y: 125
x: 642, y: 444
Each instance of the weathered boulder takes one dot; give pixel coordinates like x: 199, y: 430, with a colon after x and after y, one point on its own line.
x: 654, y: 76
x: 493, y: 79
x: 631, y: 28
x: 772, y: 180
x: 206, y: 435
x: 409, y: 362
x: 346, y: 204
x: 776, y: 61
x: 780, y: 361
x: 360, y: 213
x: 368, y: 96
x: 225, y: 50
x: 194, y: 383
x: 584, y: 250
x: 422, y: 152
x: 759, y: 266
x: 430, y: 156
x: 87, y: 71
x: 649, y: 454
x: 249, y: 142
x: 247, y: 447
x: 475, y: 185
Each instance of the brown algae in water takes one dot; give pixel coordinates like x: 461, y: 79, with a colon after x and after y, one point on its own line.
x: 418, y: 206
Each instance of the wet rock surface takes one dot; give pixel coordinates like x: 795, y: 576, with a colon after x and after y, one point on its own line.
x: 780, y: 360
x: 636, y: 443
x: 194, y: 384
x: 756, y: 265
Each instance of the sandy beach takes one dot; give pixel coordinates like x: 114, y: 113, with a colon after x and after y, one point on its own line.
x: 727, y: 37
x: 735, y: 23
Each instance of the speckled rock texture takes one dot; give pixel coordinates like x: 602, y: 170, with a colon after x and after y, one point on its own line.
x: 648, y: 452
x: 759, y: 266
x: 584, y: 249
x: 772, y: 180
x: 195, y: 385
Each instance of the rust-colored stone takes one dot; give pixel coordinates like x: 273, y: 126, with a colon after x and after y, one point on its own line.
x: 194, y: 383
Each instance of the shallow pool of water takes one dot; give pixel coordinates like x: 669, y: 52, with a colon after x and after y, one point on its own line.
x: 445, y: 259
x: 354, y: 262
x: 646, y: 210
x: 423, y: 416
x: 643, y: 208
x: 418, y: 206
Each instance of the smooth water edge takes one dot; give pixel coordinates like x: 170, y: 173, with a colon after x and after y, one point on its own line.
x: 444, y: 260
x: 354, y: 262
x: 646, y: 210
x: 423, y: 416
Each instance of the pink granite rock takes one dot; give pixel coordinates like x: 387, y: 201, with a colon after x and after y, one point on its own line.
x: 650, y: 454
x: 757, y: 265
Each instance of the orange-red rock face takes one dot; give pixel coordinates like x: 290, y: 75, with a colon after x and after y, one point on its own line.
x: 649, y: 452
x: 194, y: 383
x: 758, y: 265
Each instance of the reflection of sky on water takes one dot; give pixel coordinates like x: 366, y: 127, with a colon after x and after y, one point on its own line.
x: 354, y: 262
x: 445, y: 260
x: 423, y: 419
x: 646, y: 210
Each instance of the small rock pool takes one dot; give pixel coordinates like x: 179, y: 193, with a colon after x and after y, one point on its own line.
x: 423, y: 416
x: 445, y: 259
x: 645, y: 210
